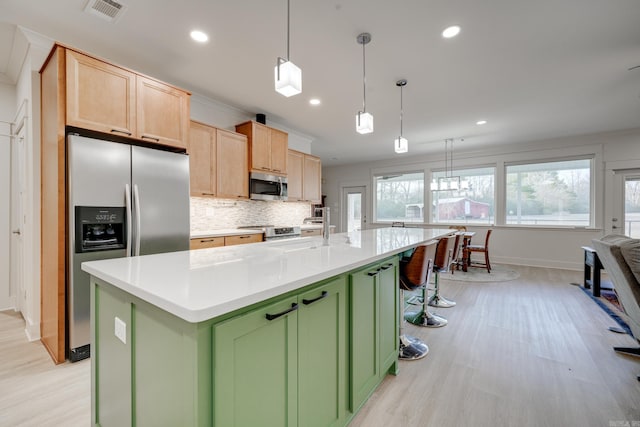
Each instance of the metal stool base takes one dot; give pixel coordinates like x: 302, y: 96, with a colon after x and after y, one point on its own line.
x: 412, y: 348
x: 438, y: 301
x: 422, y: 318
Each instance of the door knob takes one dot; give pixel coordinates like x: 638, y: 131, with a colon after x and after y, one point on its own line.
x: 613, y: 227
x: 16, y: 232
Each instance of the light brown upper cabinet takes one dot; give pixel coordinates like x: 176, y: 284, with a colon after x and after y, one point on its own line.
x: 162, y: 113
x: 312, y: 180
x: 111, y: 99
x: 218, y: 161
x: 279, y: 148
x: 232, y: 172
x: 267, y: 147
x: 202, y: 149
x: 304, y: 177
x: 295, y: 163
x: 100, y: 96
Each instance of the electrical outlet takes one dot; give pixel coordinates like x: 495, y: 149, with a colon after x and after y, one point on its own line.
x: 120, y: 329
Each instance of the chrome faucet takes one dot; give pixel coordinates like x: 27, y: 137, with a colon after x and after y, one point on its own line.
x: 326, y: 220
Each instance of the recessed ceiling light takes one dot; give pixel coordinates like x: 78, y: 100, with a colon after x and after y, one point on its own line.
x: 481, y: 122
x: 199, y: 36
x: 452, y: 31
x: 314, y: 101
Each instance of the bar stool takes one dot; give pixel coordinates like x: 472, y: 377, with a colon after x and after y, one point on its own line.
x: 442, y: 264
x: 414, y: 273
x: 422, y: 317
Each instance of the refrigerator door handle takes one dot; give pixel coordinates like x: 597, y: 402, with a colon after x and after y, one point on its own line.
x: 136, y: 206
x: 127, y: 204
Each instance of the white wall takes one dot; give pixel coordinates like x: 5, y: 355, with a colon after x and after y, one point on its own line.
x: 7, y: 112
x: 549, y: 247
x: 217, y: 114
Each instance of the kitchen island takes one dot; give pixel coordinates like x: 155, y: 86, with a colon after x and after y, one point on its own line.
x: 278, y: 333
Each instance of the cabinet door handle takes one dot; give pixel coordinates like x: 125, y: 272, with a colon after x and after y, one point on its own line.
x: 386, y: 267
x: 311, y: 301
x: 374, y: 273
x: 294, y: 307
x: 150, y: 137
x: 121, y: 131
x: 207, y: 240
x: 245, y: 237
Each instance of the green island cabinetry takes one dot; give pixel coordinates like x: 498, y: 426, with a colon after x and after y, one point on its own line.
x: 310, y: 357
x: 286, y: 371
x: 374, y: 328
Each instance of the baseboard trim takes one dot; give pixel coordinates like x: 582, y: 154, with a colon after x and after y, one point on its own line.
x: 535, y: 262
x: 32, y: 331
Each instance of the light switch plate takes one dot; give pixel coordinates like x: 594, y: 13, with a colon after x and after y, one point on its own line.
x: 120, y: 329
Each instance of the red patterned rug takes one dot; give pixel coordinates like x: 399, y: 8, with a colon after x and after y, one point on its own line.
x: 610, y: 295
x: 608, y: 301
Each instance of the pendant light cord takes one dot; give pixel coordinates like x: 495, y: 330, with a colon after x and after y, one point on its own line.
x: 364, y: 82
x: 288, y: 25
x: 401, y: 111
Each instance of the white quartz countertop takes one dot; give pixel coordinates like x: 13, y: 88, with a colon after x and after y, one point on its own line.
x: 224, y: 232
x: 206, y: 283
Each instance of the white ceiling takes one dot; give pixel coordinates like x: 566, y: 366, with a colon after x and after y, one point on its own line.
x: 533, y: 69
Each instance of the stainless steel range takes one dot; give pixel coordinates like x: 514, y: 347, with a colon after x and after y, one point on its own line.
x: 272, y: 232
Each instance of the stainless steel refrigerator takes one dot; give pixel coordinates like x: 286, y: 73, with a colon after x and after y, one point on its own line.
x: 124, y: 200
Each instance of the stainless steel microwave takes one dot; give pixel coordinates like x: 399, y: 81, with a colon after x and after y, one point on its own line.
x: 267, y: 187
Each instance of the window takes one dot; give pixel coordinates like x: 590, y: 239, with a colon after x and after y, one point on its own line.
x: 473, y: 203
x: 550, y: 193
x: 400, y: 197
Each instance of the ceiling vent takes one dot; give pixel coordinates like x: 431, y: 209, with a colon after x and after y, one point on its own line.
x: 108, y: 10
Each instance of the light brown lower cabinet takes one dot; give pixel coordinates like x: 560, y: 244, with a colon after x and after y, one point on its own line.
x: 207, y: 242
x: 241, y: 240
x: 213, y: 242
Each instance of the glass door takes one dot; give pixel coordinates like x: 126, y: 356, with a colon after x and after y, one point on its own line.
x: 626, y: 219
x: 354, y: 216
x: 631, y: 220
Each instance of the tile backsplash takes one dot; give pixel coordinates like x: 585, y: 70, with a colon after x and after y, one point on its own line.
x: 210, y: 214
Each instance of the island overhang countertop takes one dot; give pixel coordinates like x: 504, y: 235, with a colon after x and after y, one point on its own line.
x: 202, y: 284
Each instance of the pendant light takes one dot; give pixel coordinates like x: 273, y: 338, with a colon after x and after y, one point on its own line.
x: 288, y: 77
x: 449, y: 182
x: 364, y: 120
x: 401, y: 145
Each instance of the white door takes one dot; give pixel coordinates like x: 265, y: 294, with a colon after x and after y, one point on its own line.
x: 354, y: 208
x: 16, y: 261
x: 626, y: 203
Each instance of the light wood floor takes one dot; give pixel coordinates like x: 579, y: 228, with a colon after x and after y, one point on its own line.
x: 33, y: 390
x: 531, y: 352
